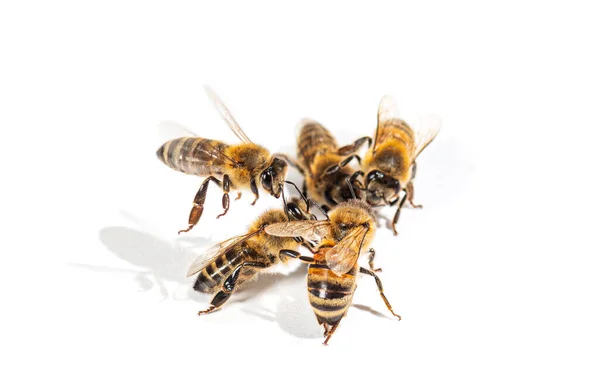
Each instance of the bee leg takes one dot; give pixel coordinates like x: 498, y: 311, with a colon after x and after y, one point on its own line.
x: 199, y: 199
x: 229, y: 287
x: 225, y: 200
x: 331, y: 331
x: 397, y: 215
x: 336, y: 167
x: 380, y: 287
x: 326, y: 329
x: 371, y: 258
x: 410, y: 191
x: 296, y: 255
x: 239, y: 195
x: 254, y: 190
x: 352, y: 148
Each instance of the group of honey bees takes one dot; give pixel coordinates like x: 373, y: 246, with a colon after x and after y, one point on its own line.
x: 344, y: 188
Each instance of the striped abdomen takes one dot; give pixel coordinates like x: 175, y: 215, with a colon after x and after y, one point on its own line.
x: 215, y: 272
x: 196, y: 156
x: 330, y: 295
x: 314, y: 139
x: 398, y: 131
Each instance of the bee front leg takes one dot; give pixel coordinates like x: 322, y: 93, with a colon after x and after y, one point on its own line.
x: 254, y: 190
x: 199, y: 200
x: 371, y: 259
x: 286, y: 253
x: 225, y: 200
x: 397, y: 215
x: 410, y: 191
x: 380, y: 287
x: 229, y: 287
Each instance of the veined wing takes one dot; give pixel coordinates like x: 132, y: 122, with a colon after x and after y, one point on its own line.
x: 217, y: 250
x: 344, y: 255
x: 226, y: 115
x: 387, y: 111
x: 425, y: 131
x: 310, y: 230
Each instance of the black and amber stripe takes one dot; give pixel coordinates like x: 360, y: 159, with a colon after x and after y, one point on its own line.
x: 196, y: 156
x: 314, y: 139
x: 398, y: 130
x: 330, y: 295
x: 215, y: 272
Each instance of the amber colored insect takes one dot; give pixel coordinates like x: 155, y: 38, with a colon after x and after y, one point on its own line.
x: 240, y: 166
x: 331, y: 280
x: 225, y: 267
x: 325, y: 165
x: 390, y: 165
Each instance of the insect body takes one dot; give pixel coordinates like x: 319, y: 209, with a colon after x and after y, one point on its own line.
x: 390, y: 166
x: 333, y: 268
x: 240, y: 166
x: 324, y: 164
x: 229, y: 264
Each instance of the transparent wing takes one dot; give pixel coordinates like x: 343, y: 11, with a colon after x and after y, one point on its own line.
x: 387, y: 111
x: 310, y: 230
x: 220, y: 248
x: 226, y: 115
x: 167, y: 130
x: 345, y: 254
x: 426, y: 130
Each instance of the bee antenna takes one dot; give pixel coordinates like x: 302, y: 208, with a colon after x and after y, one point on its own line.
x: 285, y: 205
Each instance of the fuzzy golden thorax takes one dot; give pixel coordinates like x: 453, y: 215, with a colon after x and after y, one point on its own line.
x: 266, y: 244
x: 350, y: 214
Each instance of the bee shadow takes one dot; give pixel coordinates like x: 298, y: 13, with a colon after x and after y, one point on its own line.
x: 293, y: 313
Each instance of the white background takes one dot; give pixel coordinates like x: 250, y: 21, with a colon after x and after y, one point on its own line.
x: 496, y: 278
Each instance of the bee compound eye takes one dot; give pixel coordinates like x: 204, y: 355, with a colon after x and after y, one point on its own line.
x: 266, y: 179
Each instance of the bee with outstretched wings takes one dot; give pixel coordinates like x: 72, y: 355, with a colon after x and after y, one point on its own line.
x: 390, y: 166
x: 242, y: 166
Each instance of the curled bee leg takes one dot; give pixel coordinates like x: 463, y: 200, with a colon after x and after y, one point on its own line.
x: 380, y: 287
x: 336, y: 167
x: 199, y: 200
x: 352, y: 148
x: 239, y: 196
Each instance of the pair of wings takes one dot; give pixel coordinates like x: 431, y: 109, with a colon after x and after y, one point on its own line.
x: 425, y: 131
x: 217, y: 250
x: 170, y: 130
x: 341, y: 257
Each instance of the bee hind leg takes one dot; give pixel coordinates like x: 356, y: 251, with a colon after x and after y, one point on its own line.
x: 229, y: 287
x: 380, y: 287
x: 330, y: 332
x: 199, y: 200
x: 371, y: 259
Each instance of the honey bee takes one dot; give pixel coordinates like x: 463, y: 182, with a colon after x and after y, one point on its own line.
x: 391, y: 166
x: 229, y: 264
x: 333, y: 268
x: 324, y: 165
x: 241, y: 166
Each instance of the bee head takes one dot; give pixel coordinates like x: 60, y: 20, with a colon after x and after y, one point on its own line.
x: 273, y: 177
x: 381, y: 187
